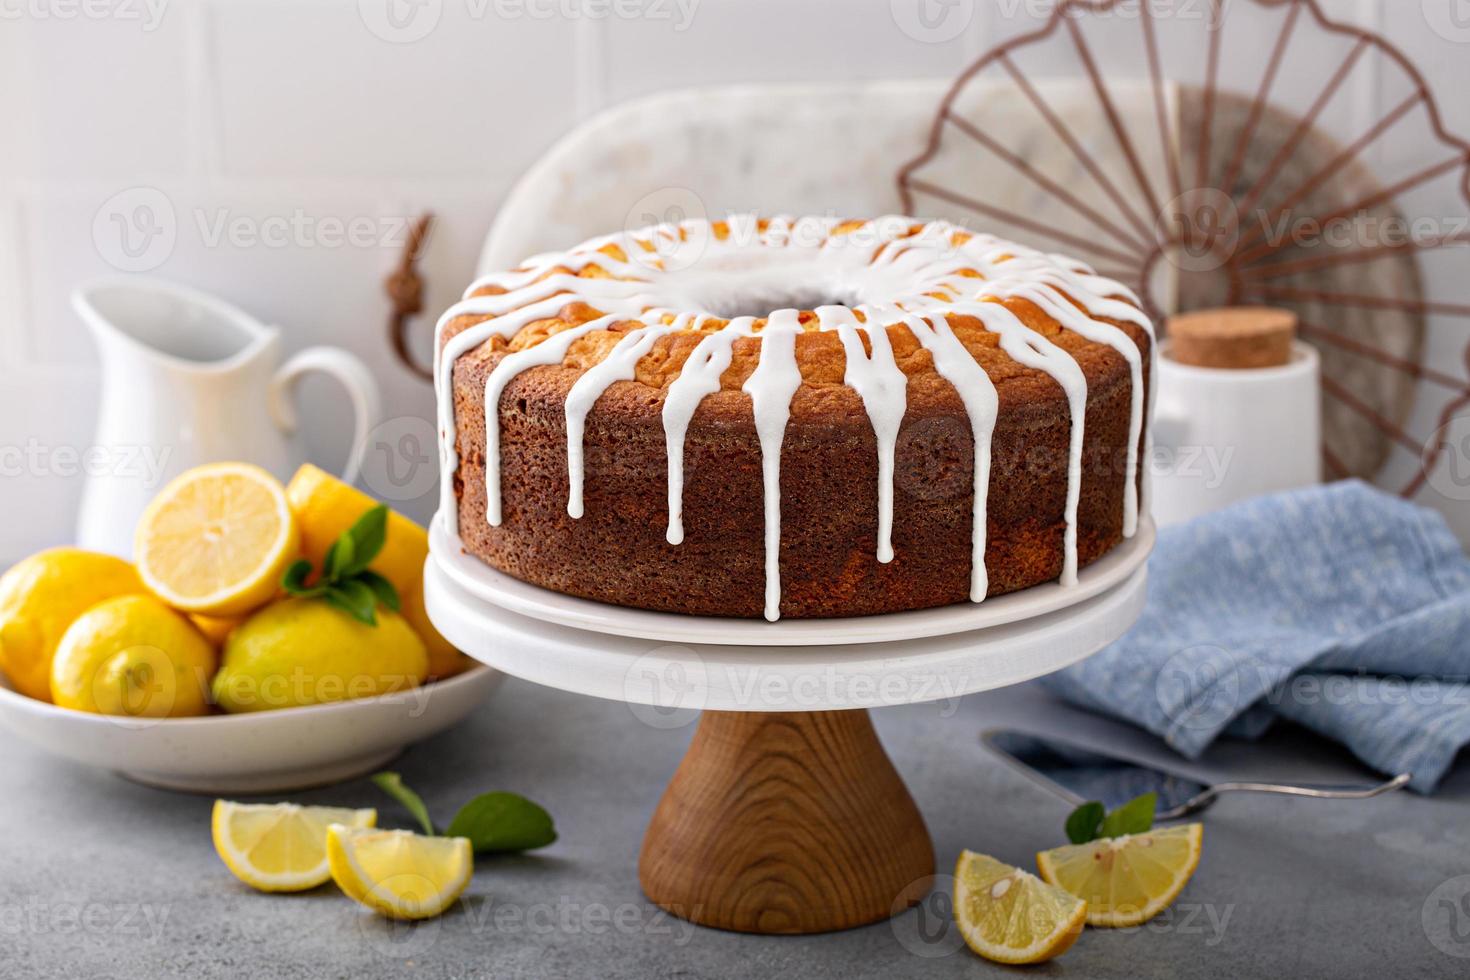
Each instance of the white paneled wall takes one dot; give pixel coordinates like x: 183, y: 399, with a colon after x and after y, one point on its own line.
x: 250, y: 114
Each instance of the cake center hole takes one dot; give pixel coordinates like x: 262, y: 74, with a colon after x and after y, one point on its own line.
x: 746, y: 284
x: 763, y: 304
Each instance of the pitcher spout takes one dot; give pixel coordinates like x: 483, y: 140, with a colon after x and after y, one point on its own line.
x: 179, y: 327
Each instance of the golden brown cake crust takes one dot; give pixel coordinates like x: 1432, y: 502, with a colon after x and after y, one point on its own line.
x: 617, y: 551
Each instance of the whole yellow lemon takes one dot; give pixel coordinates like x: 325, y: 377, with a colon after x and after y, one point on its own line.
x: 444, y: 659
x: 39, y: 599
x: 305, y: 651
x: 325, y: 507
x: 216, y: 629
x: 133, y: 656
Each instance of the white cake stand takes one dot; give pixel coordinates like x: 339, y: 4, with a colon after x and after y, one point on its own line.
x: 785, y: 815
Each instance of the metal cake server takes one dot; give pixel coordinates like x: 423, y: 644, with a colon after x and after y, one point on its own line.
x: 1078, y: 774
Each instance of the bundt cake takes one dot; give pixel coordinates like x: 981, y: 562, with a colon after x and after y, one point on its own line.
x: 793, y: 417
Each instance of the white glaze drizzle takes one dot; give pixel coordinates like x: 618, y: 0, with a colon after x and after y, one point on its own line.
x: 1056, y: 306
x: 897, y: 274
x: 771, y: 387
x: 700, y: 377
x: 955, y: 364
x: 549, y: 351
x: 620, y: 365
x: 1026, y: 346
x: 883, y: 389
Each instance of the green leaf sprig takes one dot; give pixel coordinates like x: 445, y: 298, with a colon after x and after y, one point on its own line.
x: 346, y: 582
x: 1091, y: 821
x: 493, y: 822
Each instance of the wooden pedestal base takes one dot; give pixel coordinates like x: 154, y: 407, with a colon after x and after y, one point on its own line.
x: 780, y: 822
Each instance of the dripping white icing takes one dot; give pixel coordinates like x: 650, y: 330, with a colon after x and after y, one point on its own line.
x: 620, y: 365
x: 882, y: 387
x: 1056, y: 306
x: 888, y: 270
x: 955, y: 364
x: 549, y: 351
x: 1026, y: 346
x: 771, y: 387
x: 700, y: 377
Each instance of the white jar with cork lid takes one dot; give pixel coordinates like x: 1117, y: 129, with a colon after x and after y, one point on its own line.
x: 1238, y: 411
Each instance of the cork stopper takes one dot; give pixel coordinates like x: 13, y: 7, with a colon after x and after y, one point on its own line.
x: 1233, y: 338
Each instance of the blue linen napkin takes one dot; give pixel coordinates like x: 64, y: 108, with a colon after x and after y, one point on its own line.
x: 1339, y: 607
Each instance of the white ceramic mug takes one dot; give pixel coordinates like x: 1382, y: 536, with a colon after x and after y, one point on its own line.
x: 1222, y: 435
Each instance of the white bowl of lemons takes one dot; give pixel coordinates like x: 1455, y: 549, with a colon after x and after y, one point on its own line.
x: 268, y: 638
x: 267, y: 752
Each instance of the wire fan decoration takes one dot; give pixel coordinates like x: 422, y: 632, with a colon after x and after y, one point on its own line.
x: 1251, y: 152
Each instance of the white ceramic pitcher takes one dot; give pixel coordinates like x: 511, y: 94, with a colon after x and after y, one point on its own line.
x: 189, y: 379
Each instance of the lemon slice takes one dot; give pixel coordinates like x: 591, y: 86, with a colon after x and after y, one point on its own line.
x: 397, y: 873
x: 216, y: 540
x: 279, y: 847
x: 1126, y: 880
x: 1011, y: 916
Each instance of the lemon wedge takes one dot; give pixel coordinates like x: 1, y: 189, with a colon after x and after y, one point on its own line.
x: 1126, y: 880
x: 216, y: 540
x: 400, y: 874
x: 1011, y: 916
x: 279, y: 847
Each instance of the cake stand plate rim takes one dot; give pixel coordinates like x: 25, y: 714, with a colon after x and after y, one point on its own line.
x: 673, y: 682
x: 479, y: 580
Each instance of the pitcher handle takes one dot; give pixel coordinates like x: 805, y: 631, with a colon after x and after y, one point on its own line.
x: 352, y: 374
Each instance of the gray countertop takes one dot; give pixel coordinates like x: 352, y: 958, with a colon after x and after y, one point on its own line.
x: 101, y: 878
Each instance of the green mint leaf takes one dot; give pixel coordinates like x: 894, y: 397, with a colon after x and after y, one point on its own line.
x: 502, y: 822
x: 294, y: 579
x: 1083, y: 822
x: 339, y: 558
x: 392, y: 784
x: 382, y: 588
x: 355, y: 599
x: 1134, y: 817
x: 368, y: 535
x: 362, y: 598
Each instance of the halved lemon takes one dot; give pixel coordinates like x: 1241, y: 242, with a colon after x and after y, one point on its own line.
x: 1011, y: 916
x: 216, y: 540
x: 279, y: 847
x: 397, y: 873
x: 1126, y: 880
